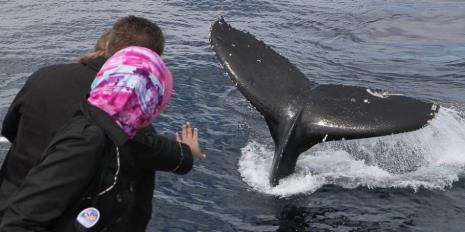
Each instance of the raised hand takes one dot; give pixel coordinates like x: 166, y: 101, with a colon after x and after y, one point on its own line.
x: 190, y: 137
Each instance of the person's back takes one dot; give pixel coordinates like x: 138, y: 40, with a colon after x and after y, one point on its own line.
x: 49, y: 98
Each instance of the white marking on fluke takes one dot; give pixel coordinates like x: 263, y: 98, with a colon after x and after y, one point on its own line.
x: 324, y: 139
x: 382, y: 94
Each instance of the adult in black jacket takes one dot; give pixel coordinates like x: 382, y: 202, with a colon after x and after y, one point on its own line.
x: 91, y: 157
x: 52, y: 95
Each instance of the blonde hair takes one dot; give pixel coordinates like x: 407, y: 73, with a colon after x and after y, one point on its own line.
x: 99, y: 49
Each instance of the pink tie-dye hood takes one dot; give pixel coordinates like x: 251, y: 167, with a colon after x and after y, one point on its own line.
x: 133, y: 87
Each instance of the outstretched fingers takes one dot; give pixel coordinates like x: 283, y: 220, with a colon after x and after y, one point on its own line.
x: 190, y: 136
x: 188, y: 130
x: 184, y: 130
x: 195, y: 133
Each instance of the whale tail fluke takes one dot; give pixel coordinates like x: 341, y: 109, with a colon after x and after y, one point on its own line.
x: 299, y: 112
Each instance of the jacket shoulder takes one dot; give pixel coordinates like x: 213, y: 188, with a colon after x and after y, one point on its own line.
x: 80, y: 128
x: 55, y: 69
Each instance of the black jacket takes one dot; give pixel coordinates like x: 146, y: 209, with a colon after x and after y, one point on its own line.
x: 83, y: 160
x: 49, y: 99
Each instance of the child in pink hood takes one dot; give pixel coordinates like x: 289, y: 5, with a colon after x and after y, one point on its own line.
x: 90, y: 167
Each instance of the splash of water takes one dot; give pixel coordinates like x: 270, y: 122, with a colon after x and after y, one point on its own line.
x: 431, y: 157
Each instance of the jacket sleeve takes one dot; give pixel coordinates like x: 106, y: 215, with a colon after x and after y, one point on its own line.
x: 157, y: 153
x: 13, y: 115
x: 56, y: 183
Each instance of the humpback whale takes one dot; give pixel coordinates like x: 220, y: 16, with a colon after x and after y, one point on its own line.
x: 301, y: 113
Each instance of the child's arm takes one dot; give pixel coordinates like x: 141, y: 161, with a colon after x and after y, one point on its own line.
x: 154, y: 152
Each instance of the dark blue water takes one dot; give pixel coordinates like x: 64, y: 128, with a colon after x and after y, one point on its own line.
x: 410, y: 182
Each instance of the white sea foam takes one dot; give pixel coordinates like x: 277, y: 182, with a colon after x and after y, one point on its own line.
x: 432, y: 157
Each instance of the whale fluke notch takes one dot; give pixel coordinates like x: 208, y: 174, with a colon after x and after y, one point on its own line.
x: 300, y: 113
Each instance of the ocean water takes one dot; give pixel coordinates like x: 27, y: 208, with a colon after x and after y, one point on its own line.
x: 408, y: 182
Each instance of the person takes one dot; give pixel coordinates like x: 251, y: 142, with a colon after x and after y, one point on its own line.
x: 99, y: 48
x: 130, y: 90
x: 52, y: 95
